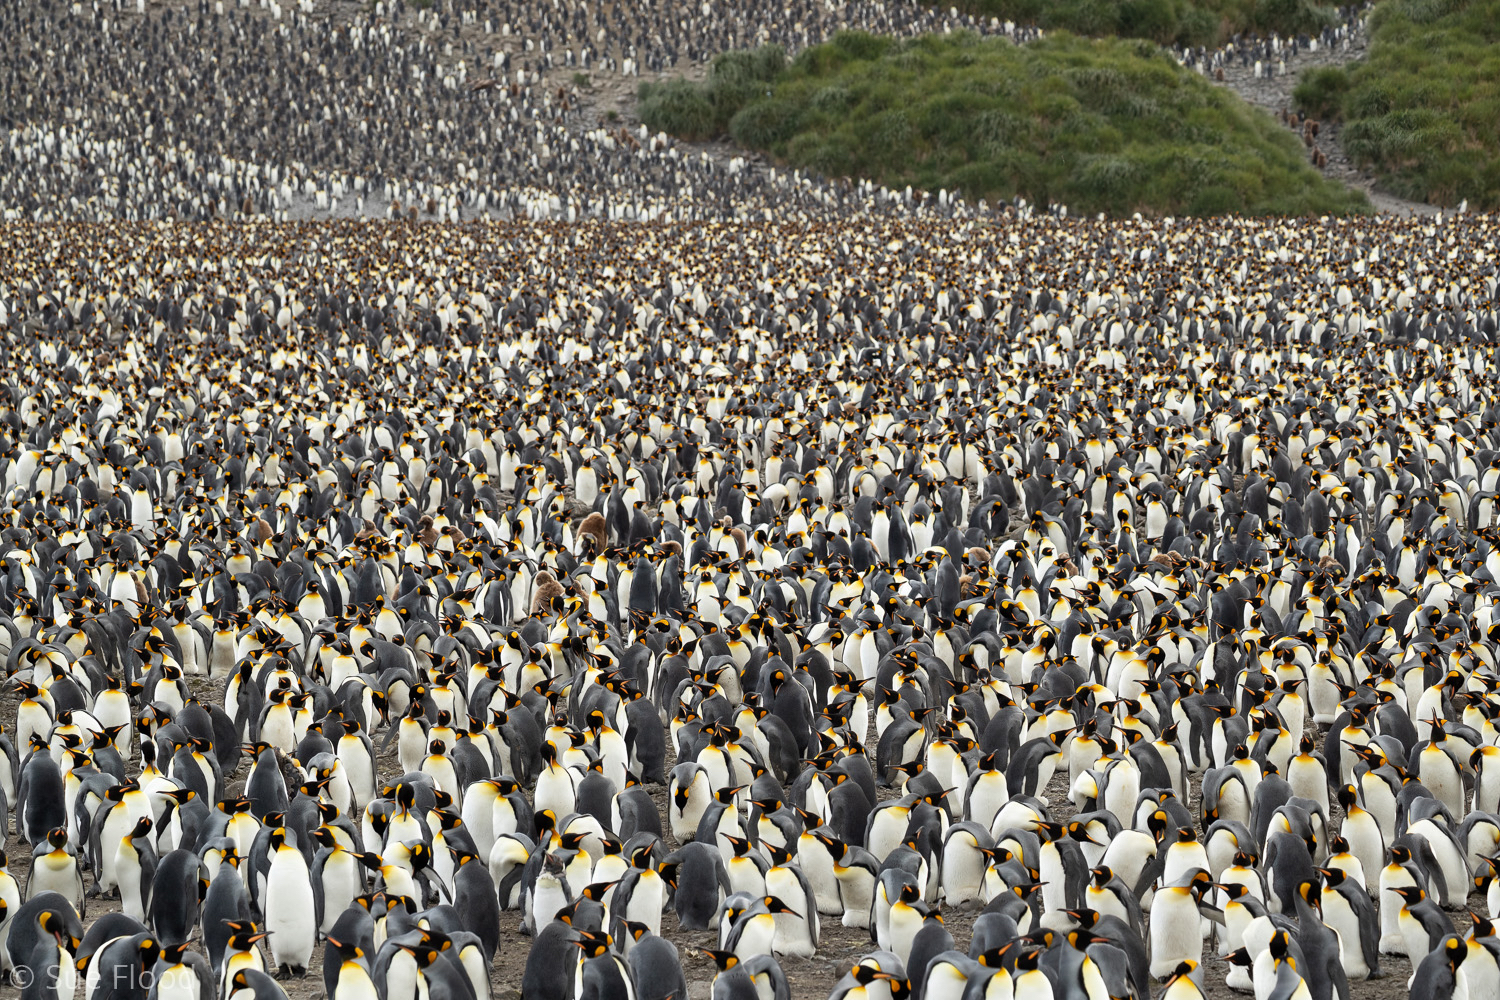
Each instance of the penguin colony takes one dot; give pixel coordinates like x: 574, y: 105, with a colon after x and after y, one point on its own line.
x: 1267, y: 56
x: 1065, y: 605
x: 445, y: 112
x: 441, y: 111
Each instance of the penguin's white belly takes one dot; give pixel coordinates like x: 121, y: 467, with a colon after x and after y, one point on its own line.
x: 1392, y: 942
x: 963, y: 871
x: 177, y: 983
x: 945, y: 981
x: 824, y: 885
x: 1478, y: 977
x: 555, y: 791
x: 745, y: 877
x: 278, y: 732
x: 1176, y: 935
x: 341, y: 883
x: 647, y: 901
x: 289, y: 908
x: 403, y: 980
x: 50, y: 876
x: 880, y: 916
x: 1341, y: 918
x: 791, y: 937
x: 1454, y: 870
x: 756, y: 939
x: 1233, y: 804
x: 128, y: 872
x: 904, y: 925
x: 546, y: 899
x: 855, y: 896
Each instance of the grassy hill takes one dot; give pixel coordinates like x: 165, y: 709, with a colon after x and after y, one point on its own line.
x: 1185, y: 22
x: 1099, y: 125
x: 1423, y: 108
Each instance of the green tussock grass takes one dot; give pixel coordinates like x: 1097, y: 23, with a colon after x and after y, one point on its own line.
x: 1201, y: 22
x: 1423, y: 108
x: 1099, y: 125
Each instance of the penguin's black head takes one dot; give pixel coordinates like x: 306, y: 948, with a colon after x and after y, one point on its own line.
x: 1184, y: 968
x: 725, y: 960
x: 592, y: 943
x: 775, y: 905
x: 1410, y: 894
x: 56, y: 924
x: 867, y: 974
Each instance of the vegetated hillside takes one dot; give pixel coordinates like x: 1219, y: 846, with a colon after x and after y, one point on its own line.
x: 1423, y: 108
x: 1098, y: 125
x: 1183, y: 22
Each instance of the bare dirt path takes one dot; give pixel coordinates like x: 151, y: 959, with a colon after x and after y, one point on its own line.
x: 1273, y: 92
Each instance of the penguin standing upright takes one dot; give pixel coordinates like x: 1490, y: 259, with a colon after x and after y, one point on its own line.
x: 550, y: 963
x: 1346, y: 907
x: 656, y: 968
x: 797, y: 931
x: 699, y: 881
x: 135, y: 866
x: 1176, y: 923
x: 290, y: 907
x: 1435, y: 977
x: 603, y: 973
x: 178, y: 888
x: 55, y: 868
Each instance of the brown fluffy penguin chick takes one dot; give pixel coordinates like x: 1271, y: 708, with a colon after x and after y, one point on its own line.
x: 594, y: 527
x: 738, y: 534
x: 547, y: 588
